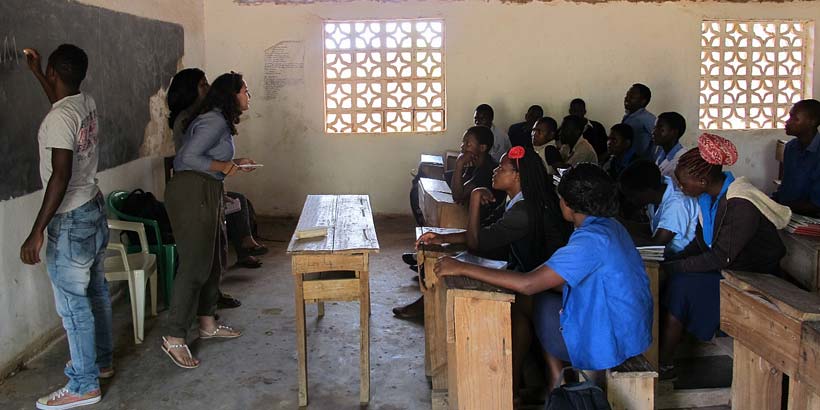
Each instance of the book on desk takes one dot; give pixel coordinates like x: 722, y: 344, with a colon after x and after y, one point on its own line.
x: 804, y: 225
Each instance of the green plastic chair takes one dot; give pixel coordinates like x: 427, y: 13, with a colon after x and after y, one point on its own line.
x: 166, y: 252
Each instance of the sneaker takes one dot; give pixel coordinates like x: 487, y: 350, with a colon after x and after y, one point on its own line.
x: 64, y: 399
x: 105, y: 372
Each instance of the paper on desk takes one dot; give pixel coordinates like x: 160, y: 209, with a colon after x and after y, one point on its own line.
x: 477, y: 260
x: 652, y: 253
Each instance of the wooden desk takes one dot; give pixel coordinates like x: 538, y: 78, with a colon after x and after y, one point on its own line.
x: 431, y: 166
x: 437, y: 205
x: 435, y: 323
x: 479, y: 345
x: 772, y: 323
x: 350, y: 239
x: 653, y: 271
x: 802, y: 260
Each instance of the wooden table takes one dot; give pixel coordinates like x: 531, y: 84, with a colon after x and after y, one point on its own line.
x: 802, y: 260
x: 653, y: 272
x: 350, y: 239
x: 774, y: 325
x: 431, y: 166
x: 438, y: 207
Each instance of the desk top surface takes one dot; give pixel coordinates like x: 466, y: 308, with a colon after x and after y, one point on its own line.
x: 465, y: 283
x: 435, y: 185
x: 349, y: 222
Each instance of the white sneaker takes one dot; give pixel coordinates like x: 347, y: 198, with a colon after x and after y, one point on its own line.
x: 63, y: 399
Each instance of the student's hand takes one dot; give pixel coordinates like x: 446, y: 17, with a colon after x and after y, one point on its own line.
x: 244, y: 161
x: 229, y: 168
x: 482, y: 195
x: 30, y: 251
x: 448, y: 266
x: 429, y: 238
x: 33, y: 60
x: 465, y: 159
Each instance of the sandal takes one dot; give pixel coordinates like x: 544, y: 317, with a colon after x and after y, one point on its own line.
x: 250, y: 262
x: 221, y: 332
x: 167, y: 350
x: 256, y: 250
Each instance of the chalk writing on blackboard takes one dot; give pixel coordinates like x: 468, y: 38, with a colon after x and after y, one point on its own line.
x: 284, y: 66
x: 9, y: 54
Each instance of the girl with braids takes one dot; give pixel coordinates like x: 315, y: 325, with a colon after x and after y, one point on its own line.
x: 595, y: 309
x: 531, y: 227
x: 194, y: 202
x: 737, y: 229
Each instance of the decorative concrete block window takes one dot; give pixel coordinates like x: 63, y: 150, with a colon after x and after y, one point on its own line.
x: 752, y: 71
x: 384, y: 76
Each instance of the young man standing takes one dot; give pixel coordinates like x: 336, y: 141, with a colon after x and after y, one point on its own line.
x: 73, y: 211
x: 800, y: 188
x: 641, y: 120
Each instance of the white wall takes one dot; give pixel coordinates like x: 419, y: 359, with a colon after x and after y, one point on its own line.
x: 27, y: 316
x: 509, y: 55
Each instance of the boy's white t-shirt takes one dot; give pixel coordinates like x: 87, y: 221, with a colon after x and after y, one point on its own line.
x: 72, y: 124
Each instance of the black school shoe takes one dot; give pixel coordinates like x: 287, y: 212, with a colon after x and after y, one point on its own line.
x: 409, y: 258
x: 227, y: 301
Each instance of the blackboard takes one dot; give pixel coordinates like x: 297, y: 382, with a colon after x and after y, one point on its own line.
x: 130, y: 59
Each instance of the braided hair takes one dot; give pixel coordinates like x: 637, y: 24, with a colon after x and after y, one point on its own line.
x: 693, y: 164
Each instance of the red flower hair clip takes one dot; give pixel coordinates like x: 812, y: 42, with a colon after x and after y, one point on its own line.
x: 516, y: 153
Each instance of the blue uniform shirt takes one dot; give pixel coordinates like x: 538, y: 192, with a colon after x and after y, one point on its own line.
x: 677, y: 213
x: 607, y: 308
x: 801, y: 172
x: 207, y: 139
x: 642, y: 123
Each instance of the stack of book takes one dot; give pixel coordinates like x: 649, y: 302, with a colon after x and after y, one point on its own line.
x: 804, y: 225
x: 651, y: 253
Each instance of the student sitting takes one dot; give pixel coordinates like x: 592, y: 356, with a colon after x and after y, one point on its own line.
x: 474, y: 166
x: 594, y: 131
x: 666, y: 136
x: 531, y: 227
x: 620, y: 150
x: 605, y: 314
x: 800, y: 188
x: 641, y: 120
x: 737, y: 229
x: 575, y: 148
x: 483, y: 116
x: 673, y: 216
x: 544, y: 133
x: 520, y: 132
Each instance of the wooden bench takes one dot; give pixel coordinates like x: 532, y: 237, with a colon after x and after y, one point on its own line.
x: 631, y: 385
x: 802, y: 260
x: 438, y: 207
x: 431, y: 166
x: 351, y: 237
x: 774, y: 325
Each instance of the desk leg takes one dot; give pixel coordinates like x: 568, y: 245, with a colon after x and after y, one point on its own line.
x: 756, y: 383
x: 364, y: 324
x: 320, y: 306
x: 301, y: 339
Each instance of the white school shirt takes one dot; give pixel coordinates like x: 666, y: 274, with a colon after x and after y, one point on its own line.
x: 72, y: 124
x: 501, y: 143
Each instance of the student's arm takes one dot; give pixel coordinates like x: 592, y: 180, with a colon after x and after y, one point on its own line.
x: 205, y: 134
x: 33, y: 61
x: 739, y: 226
x: 478, y: 197
x: 513, y: 225
x: 459, y: 191
x: 61, y: 163
x: 662, y: 237
x: 432, y: 238
x: 538, y: 280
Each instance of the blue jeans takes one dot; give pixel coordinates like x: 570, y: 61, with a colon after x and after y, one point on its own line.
x: 76, y: 248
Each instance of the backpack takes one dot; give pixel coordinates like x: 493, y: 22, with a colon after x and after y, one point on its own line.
x: 584, y: 395
x: 144, y: 205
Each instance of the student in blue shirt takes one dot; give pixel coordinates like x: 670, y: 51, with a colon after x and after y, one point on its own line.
x: 641, y: 120
x: 603, y: 315
x: 666, y: 136
x: 673, y: 216
x: 800, y: 188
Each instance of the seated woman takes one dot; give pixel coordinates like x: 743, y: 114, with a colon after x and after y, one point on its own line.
x: 604, y: 315
x: 240, y: 234
x: 737, y: 229
x: 474, y: 166
x: 619, y: 150
x: 531, y: 227
x: 673, y: 216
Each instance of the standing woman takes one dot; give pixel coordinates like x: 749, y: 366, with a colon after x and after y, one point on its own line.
x: 194, y: 203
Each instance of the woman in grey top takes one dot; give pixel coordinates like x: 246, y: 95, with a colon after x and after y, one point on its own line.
x: 194, y: 203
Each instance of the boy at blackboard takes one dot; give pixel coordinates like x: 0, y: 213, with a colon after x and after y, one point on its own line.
x: 594, y: 308
x: 73, y: 210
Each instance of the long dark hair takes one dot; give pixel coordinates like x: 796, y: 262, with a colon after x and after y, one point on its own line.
x: 183, y: 92
x: 222, y: 96
x: 541, y: 201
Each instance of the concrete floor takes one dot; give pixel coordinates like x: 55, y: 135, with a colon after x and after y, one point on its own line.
x: 258, y: 370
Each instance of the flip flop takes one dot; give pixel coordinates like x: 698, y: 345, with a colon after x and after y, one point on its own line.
x: 167, y: 351
x: 216, y: 334
x: 256, y: 250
